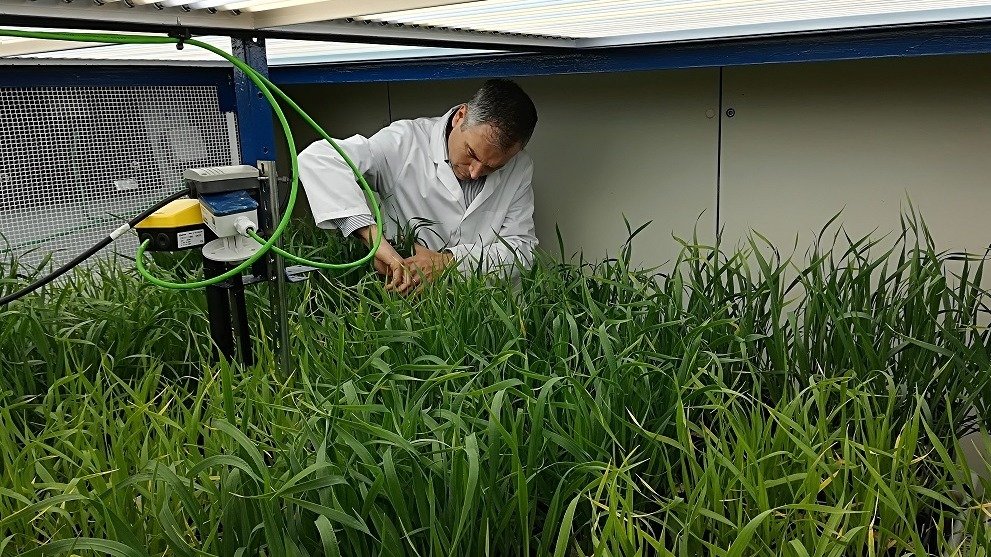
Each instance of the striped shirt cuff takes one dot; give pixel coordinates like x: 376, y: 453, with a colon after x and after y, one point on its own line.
x: 348, y: 225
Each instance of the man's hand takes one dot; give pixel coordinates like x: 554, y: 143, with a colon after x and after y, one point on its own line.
x: 389, y: 264
x: 428, y: 264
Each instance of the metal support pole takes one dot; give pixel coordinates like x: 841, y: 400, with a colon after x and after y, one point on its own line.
x: 219, y: 312
x: 239, y: 320
x: 227, y: 312
x: 256, y: 130
x: 277, y: 268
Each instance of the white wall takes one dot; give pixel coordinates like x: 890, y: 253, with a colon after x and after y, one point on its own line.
x: 342, y: 110
x: 863, y: 137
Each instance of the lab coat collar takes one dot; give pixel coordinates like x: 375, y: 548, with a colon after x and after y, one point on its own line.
x: 438, y: 137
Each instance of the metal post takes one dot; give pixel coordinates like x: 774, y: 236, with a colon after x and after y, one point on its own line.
x: 277, y: 268
x: 239, y: 320
x: 219, y: 312
x: 256, y: 128
x: 227, y: 312
x: 256, y: 131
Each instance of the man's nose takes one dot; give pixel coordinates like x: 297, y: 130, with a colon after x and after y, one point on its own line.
x: 475, y: 169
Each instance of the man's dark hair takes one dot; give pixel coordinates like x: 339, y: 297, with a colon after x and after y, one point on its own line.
x: 506, y: 107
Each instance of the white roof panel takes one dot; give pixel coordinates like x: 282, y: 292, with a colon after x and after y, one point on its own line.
x: 680, y: 19
x: 467, y: 25
x: 280, y: 51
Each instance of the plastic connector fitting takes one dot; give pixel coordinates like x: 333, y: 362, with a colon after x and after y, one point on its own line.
x: 243, y: 225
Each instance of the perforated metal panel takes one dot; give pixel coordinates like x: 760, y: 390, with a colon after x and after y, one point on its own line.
x: 76, y: 162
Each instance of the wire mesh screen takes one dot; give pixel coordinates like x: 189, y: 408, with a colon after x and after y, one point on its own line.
x: 76, y: 162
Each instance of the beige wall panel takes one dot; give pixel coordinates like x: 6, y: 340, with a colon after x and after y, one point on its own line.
x: 809, y: 140
x: 641, y: 145
x: 342, y: 110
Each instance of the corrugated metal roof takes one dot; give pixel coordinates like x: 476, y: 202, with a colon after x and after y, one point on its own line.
x: 612, y: 18
x: 482, y: 24
x: 280, y: 52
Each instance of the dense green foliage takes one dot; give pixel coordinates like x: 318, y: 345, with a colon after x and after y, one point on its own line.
x: 731, y: 403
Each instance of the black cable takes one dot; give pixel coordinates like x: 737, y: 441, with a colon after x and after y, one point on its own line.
x: 91, y: 251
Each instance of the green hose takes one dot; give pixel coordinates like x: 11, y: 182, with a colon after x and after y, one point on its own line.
x: 266, y: 87
x: 375, y: 208
x: 305, y: 261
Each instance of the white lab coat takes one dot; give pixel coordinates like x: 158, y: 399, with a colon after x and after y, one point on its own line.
x: 405, y: 163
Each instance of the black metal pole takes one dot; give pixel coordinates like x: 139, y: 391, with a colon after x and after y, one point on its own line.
x: 219, y: 312
x: 239, y: 314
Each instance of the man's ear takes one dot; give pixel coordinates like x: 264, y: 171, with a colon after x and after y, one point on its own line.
x: 459, y: 116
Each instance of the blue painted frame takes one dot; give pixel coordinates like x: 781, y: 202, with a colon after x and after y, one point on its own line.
x: 970, y: 38
x: 254, y: 114
x: 98, y: 75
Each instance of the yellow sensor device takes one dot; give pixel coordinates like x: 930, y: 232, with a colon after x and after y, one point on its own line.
x: 177, y: 226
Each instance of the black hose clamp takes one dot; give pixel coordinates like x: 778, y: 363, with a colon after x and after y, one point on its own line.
x: 181, y: 35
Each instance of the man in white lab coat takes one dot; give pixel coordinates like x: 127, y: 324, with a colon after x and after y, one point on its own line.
x: 465, y: 171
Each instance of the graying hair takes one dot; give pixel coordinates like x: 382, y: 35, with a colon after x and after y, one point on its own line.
x: 507, y: 108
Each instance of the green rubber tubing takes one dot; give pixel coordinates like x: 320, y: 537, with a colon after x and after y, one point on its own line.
x: 303, y: 260
x: 266, y: 87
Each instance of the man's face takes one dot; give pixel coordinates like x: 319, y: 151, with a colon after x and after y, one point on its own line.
x: 474, y: 151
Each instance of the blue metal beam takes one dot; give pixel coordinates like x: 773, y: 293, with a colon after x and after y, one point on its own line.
x: 970, y: 38
x: 47, y: 74
x: 254, y: 114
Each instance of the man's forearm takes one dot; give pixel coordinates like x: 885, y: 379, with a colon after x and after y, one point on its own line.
x: 366, y: 232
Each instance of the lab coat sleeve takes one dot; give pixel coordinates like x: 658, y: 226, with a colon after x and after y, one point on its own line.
x: 330, y: 184
x: 518, y: 239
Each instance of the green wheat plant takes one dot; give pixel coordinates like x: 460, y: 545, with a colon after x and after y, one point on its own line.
x: 734, y: 403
